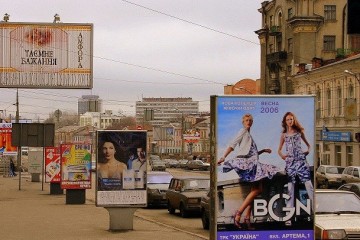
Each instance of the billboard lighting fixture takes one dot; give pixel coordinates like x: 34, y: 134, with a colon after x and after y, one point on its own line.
x: 56, y: 18
x: 6, y: 17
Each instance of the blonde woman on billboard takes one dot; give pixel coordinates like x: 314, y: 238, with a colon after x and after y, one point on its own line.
x: 110, y: 169
x: 295, y: 158
x: 246, y: 164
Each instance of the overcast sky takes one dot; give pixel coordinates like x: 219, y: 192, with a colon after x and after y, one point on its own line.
x: 152, y: 48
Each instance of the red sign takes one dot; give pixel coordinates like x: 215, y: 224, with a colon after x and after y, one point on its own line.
x: 52, y: 164
x: 139, y: 127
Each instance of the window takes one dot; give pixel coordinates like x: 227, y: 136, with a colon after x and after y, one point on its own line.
x: 271, y: 20
x: 338, y: 155
x: 328, y: 96
x: 271, y: 48
x: 279, y: 20
x: 339, y: 100
x: 278, y: 44
x: 356, y: 172
x: 329, y: 43
x: 351, y: 90
x: 349, y: 155
x: 290, y: 13
x: 290, y: 45
x: 330, y: 12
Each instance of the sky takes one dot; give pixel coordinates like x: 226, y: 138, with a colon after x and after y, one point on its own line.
x: 153, y: 48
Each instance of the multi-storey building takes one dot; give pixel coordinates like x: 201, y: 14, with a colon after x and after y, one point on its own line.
x: 293, y: 33
x: 160, y: 111
x: 306, y: 48
x: 99, y: 120
x: 89, y: 103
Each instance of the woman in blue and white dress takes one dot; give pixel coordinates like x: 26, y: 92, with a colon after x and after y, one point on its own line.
x: 246, y: 164
x: 295, y: 158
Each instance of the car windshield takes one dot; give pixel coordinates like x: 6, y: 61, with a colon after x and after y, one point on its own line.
x: 161, y: 186
x: 336, y: 202
x: 165, y: 178
x: 336, y: 170
x: 190, y: 184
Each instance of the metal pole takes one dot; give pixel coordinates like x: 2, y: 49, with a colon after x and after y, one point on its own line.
x: 19, y: 147
x: 182, y: 135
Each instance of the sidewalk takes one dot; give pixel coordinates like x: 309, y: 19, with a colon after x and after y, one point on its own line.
x: 32, y: 213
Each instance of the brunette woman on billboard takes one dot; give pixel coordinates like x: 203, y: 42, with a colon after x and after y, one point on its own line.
x: 246, y: 164
x: 110, y: 169
x: 295, y: 158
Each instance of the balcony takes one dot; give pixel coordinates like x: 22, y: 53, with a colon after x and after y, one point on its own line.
x: 275, y: 31
x: 276, y: 57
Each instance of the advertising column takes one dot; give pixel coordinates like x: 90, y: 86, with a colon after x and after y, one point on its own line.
x: 121, y: 169
x: 264, y: 149
x: 75, y: 171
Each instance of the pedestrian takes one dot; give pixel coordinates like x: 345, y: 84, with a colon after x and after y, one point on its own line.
x: 12, y: 169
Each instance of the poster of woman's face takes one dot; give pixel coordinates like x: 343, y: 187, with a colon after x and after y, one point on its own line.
x: 117, y: 179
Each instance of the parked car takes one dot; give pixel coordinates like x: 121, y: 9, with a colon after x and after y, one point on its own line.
x: 205, y: 211
x: 350, y: 174
x: 182, y: 163
x: 328, y: 176
x: 157, y: 184
x: 172, y: 163
x: 158, y: 165
x: 337, y: 215
x: 185, y: 194
x: 197, y: 165
x: 352, y: 187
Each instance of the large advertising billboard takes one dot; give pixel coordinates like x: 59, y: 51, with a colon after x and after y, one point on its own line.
x: 264, y: 151
x: 75, y: 166
x: 46, y: 55
x: 121, y: 169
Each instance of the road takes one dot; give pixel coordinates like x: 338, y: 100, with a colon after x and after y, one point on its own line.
x: 192, y: 224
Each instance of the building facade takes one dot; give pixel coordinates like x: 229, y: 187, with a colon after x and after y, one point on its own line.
x: 89, y: 103
x: 307, y: 47
x: 293, y: 33
x: 160, y: 111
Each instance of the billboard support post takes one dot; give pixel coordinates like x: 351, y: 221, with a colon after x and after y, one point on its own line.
x: 119, y: 218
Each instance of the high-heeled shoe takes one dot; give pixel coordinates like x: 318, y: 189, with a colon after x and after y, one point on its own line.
x: 248, y: 224
x: 237, y: 218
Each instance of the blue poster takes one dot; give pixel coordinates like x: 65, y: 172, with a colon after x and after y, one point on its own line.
x: 265, y: 167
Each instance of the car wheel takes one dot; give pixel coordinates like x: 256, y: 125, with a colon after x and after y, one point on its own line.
x: 183, y: 212
x: 170, y: 208
x: 205, y: 220
x: 326, y: 184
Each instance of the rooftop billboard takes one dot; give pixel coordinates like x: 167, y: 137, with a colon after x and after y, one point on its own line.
x: 46, y: 55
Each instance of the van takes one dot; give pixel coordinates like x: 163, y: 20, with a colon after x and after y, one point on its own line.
x: 350, y: 174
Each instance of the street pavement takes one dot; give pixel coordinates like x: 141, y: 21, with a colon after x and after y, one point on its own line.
x: 29, y: 211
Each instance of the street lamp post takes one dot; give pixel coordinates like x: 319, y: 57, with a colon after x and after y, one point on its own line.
x: 352, y: 74
x: 243, y: 89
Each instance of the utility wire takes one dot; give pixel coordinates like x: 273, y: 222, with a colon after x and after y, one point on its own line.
x: 190, y: 22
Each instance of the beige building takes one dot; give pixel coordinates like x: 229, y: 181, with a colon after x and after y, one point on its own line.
x: 306, y: 48
x: 295, y: 32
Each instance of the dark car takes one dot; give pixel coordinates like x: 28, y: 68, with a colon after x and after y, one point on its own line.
x: 157, y: 184
x: 328, y: 176
x: 158, y: 165
x: 337, y: 215
x: 197, y: 165
x: 205, y: 211
x: 352, y: 187
x: 185, y: 194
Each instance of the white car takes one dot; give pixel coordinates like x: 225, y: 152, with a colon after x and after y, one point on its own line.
x: 337, y: 215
